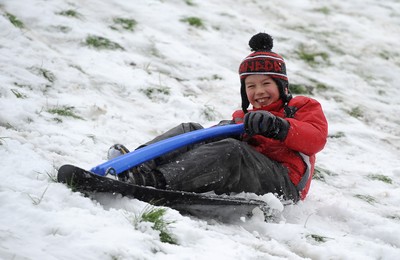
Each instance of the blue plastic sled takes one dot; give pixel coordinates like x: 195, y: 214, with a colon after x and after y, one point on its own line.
x: 125, y: 162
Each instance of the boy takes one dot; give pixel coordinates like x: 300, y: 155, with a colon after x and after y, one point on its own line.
x: 276, y: 154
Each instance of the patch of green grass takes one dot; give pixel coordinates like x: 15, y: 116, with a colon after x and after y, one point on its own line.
x: 63, y: 29
x: 22, y: 85
x: 394, y: 217
x: 213, y: 77
x: 15, y: 21
x: 324, y: 10
x: 153, y: 92
x: 356, y: 112
x: 227, y: 15
x: 45, y: 73
x: 216, y: 77
x: 321, y: 87
x: 65, y: 111
x: 190, y: 3
x: 338, y: 134
x: 366, y: 198
x: 147, y: 67
x: 48, y: 75
x: 2, y: 138
x: 338, y: 98
x: 156, y: 216
x: 92, y: 137
x: 301, y: 28
x: 153, y: 51
x: 18, y: 94
x: 300, y: 89
x: 70, y: 13
x: 37, y: 200
x: 57, y: 120
x: 123, y: 23
x: 303, y: 89
x: 193, y: 21
x: 102, y: 43
x: 318, y: 238
x: 209, y: 112
x: 320, y: 174
x: 385, y: 55
x: 7, y: 125
x: 380, y: 177
x: 77, y: 67
x: 52, y: 177
x: 310, y: 57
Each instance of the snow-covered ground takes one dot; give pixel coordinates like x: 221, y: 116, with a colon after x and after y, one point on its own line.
x: 62, y: 101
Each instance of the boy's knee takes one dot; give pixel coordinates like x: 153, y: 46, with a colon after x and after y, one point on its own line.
x: 230, y: 145
x: 191, y: 126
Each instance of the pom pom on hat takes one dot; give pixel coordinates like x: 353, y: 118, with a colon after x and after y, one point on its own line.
x: 261, y: 42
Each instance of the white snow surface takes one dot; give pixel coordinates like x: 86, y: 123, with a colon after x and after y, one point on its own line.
x: 352, y: 210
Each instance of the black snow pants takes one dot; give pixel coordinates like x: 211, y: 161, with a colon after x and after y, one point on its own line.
x: 223, y: 166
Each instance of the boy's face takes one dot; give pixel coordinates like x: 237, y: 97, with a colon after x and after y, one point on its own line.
x: 261, y: 90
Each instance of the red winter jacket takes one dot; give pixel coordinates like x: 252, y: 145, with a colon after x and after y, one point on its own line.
x: 307, y: 135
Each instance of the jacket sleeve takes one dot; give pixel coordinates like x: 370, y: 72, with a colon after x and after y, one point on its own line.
x: 238, y: 117
x: 308, y: 129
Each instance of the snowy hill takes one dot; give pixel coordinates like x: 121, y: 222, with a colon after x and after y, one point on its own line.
x: 79, y: 76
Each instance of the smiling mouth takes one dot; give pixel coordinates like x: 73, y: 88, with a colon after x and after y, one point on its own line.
x: 262, y: 101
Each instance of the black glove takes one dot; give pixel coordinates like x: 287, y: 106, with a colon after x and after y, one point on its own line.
x: 266, y: 124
